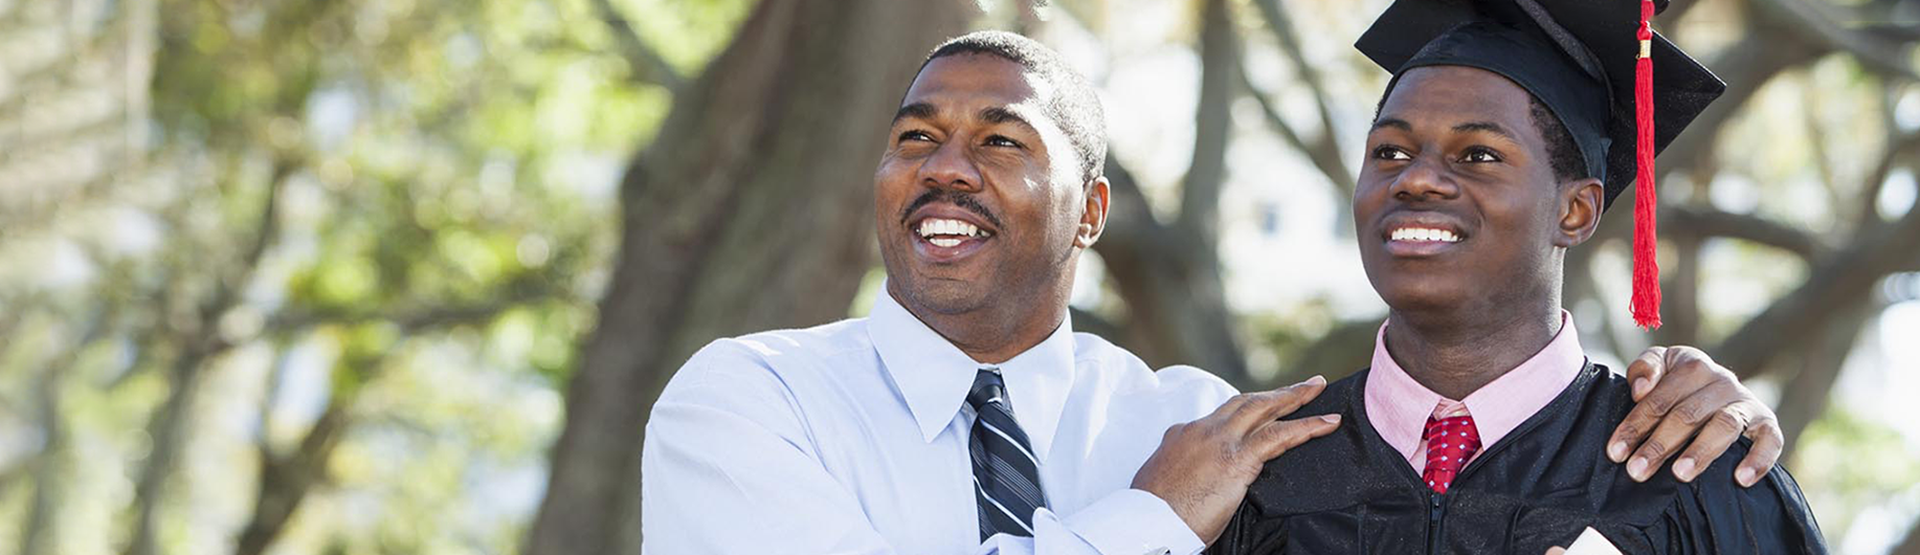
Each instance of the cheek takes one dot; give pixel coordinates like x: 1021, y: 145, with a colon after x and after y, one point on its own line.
x: 892, y: 180
x: 1527, y: 230
x: 892, y: 168
x: 1367, y: 197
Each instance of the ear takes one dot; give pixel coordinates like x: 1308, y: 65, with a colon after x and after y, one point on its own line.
x: 1580, y: 205
x: 1093, y: 220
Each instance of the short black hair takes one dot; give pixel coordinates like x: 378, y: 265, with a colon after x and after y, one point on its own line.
x: 1563, y: 156
x: 1568, y: 163
x: 1074, y: 106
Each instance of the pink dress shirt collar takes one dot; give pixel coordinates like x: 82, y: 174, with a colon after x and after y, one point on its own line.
x: 1398, y: 406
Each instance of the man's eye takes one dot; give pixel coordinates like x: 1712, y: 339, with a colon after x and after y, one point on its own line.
x: 915, y: 136
x: 998, y: 140
x: 1390, y: 153
x: 1480, y: 155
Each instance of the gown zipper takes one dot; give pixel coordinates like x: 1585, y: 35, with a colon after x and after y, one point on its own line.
x: 1437, y: 507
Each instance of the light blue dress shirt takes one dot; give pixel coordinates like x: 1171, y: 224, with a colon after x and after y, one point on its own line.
x: 851, y: 438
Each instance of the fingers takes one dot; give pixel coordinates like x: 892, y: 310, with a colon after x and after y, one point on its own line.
x: 1645, y: 372
x: 1263, y: 407
x: 1277, y: 437
x: 1725, y: 426
x: 1767, y: 444
x: 1674, y: 429
x: 1681, y: 372
x: 1647, y: 414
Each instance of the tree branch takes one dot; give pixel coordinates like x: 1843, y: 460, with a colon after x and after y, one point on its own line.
x: 199, y: 345
x: 1176, y: 309
x: 1805, y: 396
x: 1131, y: 224
x: 1328, y: 145
x: 1901, y: 148
x: 285, y: 481
x: 645, y: 62
x: 1893, y: 31
x: 1831, y: 285
x: 1816, y: 23
x: 1745, y: 66
x: 1213, y: 122
x: 1709, y: 222
x: 1323, y: 153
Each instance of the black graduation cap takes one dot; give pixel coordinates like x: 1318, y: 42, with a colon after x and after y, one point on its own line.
x: 1622, y: 91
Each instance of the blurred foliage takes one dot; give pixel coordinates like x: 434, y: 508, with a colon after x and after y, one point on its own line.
x: 1849, y: 464
x: 441, y: 179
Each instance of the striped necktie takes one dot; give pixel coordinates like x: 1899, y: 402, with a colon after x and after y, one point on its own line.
x: 1006, y: 476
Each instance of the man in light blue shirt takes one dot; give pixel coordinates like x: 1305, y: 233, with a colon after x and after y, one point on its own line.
x: 964, y: 415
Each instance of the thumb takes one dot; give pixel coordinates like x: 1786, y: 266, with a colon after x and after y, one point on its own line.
x: 1645, y: 372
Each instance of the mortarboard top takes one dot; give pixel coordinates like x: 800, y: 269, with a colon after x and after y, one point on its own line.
x: 1622, y: 91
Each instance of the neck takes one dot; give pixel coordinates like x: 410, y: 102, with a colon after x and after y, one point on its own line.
x: 1455, y: 352
x: 995, y: 334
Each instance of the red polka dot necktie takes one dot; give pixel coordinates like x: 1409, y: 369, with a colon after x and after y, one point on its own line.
x: 1450, y: 442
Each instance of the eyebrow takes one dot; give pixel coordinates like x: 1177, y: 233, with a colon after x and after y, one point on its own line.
x: 1468, y: 127
x: 998, y: 114
x: 1395, y: 123
x: 920, y: 110
x: 1485, y: 126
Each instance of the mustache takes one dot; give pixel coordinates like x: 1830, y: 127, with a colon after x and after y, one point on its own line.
x: 957, y: 198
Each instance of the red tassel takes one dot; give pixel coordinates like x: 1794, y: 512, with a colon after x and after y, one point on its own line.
x: 1646, y: 270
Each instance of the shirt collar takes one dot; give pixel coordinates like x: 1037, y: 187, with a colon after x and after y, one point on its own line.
x: 933, y: 375
x: 1398, y: 406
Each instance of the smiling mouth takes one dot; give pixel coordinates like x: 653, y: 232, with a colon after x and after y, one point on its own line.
x: 949, y: 233
x: 1423, y: 235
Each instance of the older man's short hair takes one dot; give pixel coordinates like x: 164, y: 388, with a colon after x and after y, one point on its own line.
x: 1074, y: 106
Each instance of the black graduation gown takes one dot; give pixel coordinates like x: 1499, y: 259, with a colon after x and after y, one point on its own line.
x: 1540, y: 486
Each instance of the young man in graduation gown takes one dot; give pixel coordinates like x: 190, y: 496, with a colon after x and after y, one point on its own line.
x: 1509, y: 127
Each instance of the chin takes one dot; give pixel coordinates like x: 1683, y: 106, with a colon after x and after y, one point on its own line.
x: 1422, y: 294
x: 943, y: 295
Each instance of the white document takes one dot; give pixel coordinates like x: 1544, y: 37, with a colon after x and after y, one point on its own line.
x: 1591, y: 542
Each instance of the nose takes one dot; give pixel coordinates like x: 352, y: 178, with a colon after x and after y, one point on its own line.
x: 1424, y: 179
x: 949, y: 167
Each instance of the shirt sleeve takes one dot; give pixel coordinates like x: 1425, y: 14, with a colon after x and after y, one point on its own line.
x: 727, y: 467
x: 1126, y: 522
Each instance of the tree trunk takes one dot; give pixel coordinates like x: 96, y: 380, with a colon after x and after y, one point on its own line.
x: 1911, y: 544
x: 752, y: 210
x: 1169, y: 273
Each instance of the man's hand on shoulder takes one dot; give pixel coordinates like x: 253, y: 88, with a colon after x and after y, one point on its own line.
x: 1679, y: 392
x: 1202, y: 468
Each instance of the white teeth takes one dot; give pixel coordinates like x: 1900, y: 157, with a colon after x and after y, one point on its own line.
x: 944, y: 241
x: 941, y: 226
x: 1423, y: 234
